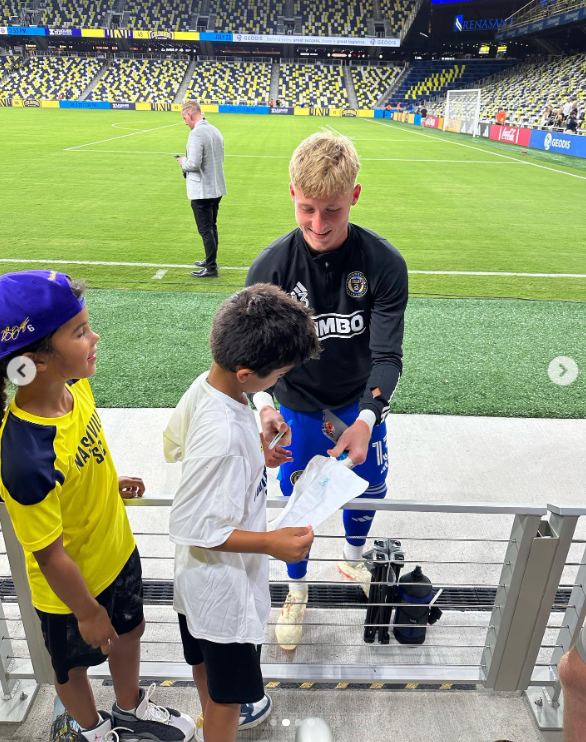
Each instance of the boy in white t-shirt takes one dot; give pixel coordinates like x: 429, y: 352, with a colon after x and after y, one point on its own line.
x: 218, y: 518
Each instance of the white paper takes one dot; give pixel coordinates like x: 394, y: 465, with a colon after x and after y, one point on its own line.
x: 324, y: 487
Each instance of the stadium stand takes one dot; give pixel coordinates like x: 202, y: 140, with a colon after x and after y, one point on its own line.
x: 526, y: 91
x: 9, y: 10
x: 312, y: 85
x: 88, y: 13
x: 49, y: 78
x: 174, y: 15
x: 426, y: 79
x: 333, y: 17
x: 137, y: 80
x: 371, y: 82
x: 248, y: 82
x: 396, y: 12
x: 8, y: 63
x: 250, y: 16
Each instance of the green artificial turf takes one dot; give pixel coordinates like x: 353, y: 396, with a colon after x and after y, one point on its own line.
x: 462, y: 356
x: 123, y: 200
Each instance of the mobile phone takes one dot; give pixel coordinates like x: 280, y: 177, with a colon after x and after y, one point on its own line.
x: 176, y: 156
x: 332, y: 426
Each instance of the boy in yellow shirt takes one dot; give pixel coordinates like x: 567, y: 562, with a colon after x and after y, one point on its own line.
x: 63, y: 494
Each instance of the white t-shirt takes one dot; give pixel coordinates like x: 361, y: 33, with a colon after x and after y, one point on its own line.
x: 224, y: 597
x: 568, y: 108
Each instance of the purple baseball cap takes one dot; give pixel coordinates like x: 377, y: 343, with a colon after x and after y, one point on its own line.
x: 32, y: 305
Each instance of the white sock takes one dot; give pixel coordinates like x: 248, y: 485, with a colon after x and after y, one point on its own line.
x: 299, y: 586
x: 352, y: 553
x: 100, y: 721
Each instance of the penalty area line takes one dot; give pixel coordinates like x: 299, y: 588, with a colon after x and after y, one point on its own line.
x: 122, y: 136
x: 479, y: 149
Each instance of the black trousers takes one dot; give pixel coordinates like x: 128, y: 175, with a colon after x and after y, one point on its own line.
x: 205, y: 211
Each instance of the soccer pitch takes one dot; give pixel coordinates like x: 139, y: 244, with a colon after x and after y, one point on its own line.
x: 103, y: 186
x: 475, y: 219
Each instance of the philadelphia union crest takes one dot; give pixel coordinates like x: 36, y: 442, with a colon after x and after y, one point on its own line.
x: 295, y: 476
x: 356, y: 284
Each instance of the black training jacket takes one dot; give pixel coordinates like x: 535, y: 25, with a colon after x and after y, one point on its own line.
x: 358, y: 294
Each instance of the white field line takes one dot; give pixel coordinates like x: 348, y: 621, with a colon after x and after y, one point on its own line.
x: 479, y: 149
x: 246, y: 267
x: 159, y: 274
x: 286, y: 157
x: 121, y: 125
x: 122, y: 136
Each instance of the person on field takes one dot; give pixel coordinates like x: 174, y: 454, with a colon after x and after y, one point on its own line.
x: 356, y: 283
x: 204, y: 173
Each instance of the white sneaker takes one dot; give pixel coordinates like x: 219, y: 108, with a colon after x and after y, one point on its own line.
x: 104, y: 731
x: 153, y: 722
x: 356, y: 571
x: 289, y: 627
x: 253, y: 714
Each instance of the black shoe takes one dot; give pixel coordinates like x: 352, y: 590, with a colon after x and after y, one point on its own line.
x: 200, y: 263
x: 205, y: 273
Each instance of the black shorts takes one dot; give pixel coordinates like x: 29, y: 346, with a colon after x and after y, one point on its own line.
x: 233, y: 670
x: 123, y: 601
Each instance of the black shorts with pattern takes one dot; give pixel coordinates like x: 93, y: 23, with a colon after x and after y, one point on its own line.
x: 122, y: 599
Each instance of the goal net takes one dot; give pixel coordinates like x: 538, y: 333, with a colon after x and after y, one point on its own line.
x: 462, y: 111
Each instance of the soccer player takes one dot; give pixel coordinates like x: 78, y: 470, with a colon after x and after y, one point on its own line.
x: 60, y: 487
x: 356, y: 283
x: 218, y: 518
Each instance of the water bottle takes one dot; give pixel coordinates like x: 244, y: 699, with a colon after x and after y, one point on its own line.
x: 414, y: 587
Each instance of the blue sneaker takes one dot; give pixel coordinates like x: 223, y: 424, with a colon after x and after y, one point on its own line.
x: 253, y: 714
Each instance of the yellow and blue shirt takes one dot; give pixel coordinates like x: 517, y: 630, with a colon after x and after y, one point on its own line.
x: 57, y: 477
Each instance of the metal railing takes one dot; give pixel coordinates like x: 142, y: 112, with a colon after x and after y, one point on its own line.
x: 538, y: 9
x: 512, y: 641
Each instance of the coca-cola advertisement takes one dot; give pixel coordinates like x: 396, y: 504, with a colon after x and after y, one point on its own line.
x: 510, y: 134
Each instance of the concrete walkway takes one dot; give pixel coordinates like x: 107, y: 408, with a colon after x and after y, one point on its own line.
x: 431, y: 458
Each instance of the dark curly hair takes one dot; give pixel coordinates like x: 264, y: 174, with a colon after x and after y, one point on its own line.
x: 263, y: 328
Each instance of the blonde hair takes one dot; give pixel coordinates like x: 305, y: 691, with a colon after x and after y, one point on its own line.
x: 192, y: 106
x: 324, y: 164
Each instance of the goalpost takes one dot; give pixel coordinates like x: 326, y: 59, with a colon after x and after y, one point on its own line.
x: 462, y: 111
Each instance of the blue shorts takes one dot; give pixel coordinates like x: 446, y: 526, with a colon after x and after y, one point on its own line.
x: 309, y: 440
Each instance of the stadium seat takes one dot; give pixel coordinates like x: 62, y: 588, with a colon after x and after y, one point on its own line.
x: 48, y: 78
x: 76, y: 13
x: 371, y: 82
x: 8, y: 62
x: 333, y: 17
x: 248, y: 16
x: 9, y: 11
x: 528, y: 89
x: 312, y: 85
x: 137, y: 80
x: 231, y: 82
x: 396, y: 13
x: 427, y: 79
x: 174, y: 15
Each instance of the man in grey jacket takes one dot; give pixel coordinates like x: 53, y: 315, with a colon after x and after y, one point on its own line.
x: 203, y: 170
